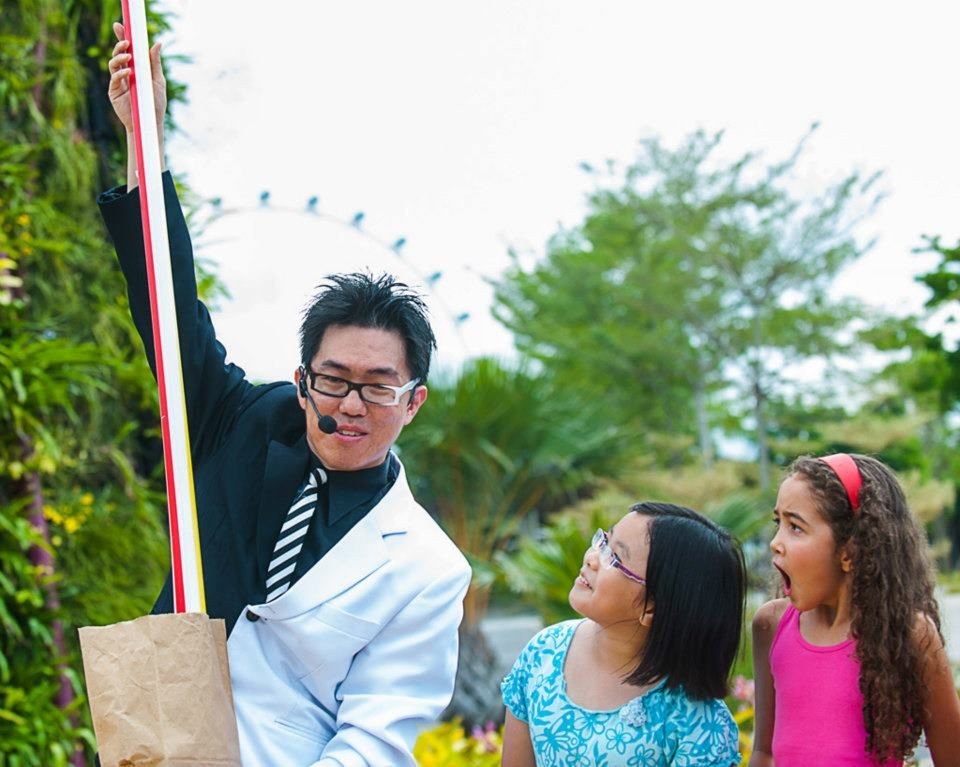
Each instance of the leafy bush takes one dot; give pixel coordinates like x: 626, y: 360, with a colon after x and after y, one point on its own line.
x: 34, y: 731
x: 541, y: 570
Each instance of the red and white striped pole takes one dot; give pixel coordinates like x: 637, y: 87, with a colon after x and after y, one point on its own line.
x: 187, y: 569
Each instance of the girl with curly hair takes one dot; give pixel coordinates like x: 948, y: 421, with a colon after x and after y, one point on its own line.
x: 639, y: 681
x: 850, y: 667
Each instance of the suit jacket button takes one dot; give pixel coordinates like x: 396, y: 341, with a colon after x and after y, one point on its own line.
x: 252, y: 616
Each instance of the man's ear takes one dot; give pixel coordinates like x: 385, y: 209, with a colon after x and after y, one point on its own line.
x: 300, y: 382
x: 417, y: 398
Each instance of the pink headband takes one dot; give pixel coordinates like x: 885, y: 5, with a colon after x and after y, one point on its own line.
x: 849, y: 475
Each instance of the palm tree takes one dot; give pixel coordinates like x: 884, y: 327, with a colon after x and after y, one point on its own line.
x: 492, y: 447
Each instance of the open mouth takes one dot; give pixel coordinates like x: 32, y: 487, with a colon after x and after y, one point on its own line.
x: 786, y: 580
x: 583, y: 582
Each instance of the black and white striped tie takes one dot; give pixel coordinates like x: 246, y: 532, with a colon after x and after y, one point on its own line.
x: 290, y: 541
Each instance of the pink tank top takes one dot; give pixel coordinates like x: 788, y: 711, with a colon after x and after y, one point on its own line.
x: 819, y: 708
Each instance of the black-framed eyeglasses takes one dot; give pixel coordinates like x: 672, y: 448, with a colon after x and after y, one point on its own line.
x: 374, y: 393
x: 608, y: 557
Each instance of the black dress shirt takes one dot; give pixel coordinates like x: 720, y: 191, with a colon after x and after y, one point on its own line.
x: 342, y: 501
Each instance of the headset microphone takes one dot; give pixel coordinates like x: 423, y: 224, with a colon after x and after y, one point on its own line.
x: 325, y: 423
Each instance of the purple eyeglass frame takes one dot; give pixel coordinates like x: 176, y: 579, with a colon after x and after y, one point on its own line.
x: 609, y: 558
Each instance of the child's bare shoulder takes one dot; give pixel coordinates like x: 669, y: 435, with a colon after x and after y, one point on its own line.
x: 767, y: 618
x: 926, y: 635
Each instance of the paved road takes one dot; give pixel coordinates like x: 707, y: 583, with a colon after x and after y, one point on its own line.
x: 950, y: 616
x: 507, y: 636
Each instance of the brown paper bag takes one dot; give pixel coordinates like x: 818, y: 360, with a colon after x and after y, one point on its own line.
x: 159, y: 690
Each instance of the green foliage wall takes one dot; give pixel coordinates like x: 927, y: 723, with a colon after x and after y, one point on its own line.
x: 82, y: 537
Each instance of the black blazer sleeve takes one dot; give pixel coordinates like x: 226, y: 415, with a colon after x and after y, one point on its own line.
x: 213, y: 389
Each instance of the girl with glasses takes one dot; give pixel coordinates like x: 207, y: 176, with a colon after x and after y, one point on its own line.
x: 638, y: 681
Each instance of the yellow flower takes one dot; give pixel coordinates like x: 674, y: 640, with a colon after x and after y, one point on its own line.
x: 86, y: 499
x: 52, y: 514
x: 742, y: 717
x: 449, y: 745
x: 23, y: 219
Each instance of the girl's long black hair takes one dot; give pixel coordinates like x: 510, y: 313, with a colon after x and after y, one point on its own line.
x: 696, y: 581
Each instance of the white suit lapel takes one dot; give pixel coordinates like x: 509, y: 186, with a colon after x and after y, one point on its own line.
x: 359, y: 553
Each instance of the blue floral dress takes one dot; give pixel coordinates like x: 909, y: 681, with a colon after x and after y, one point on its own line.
x: 660, y: 727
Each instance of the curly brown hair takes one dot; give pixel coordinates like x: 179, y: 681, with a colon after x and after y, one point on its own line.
x: 892, y: 588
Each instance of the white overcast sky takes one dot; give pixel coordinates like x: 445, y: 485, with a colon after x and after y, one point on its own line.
x: 461, y: 126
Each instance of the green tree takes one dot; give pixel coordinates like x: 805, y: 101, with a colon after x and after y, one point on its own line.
x: 944, y: 280
x: 927, y: 378
x: 691, y: 278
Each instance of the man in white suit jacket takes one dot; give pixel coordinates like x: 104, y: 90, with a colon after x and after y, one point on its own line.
x: 358, y: 652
